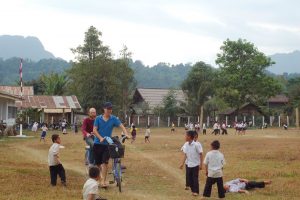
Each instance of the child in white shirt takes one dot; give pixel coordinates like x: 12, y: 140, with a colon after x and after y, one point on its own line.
x: 55, y: 166
x: 192, y: 158
x: 90, y: 189
x: 147, y: 134
x: 214, y: 162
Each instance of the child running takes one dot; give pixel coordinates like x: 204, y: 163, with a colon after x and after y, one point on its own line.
x: 214, y: 162
x: 192, y: 158
x: 55, y: 166
x: 133, y: 134
x: 147, y: 134
x: 44, y: 132
x: 90, y: 189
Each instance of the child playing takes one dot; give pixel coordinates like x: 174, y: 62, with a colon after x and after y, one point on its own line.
x: 133, y: 134
x: 90, y: 189
x: 44, y: 132
x: 192, y: 151
x: 55, y: 165
x: 214, y: 162
x: 147, y: 134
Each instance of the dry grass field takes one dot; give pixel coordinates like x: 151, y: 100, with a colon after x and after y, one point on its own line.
x: 153, y: 169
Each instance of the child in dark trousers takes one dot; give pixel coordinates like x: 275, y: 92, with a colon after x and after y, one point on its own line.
x: 214, y: 162
x: 192, y: 152
x: 55, y: 166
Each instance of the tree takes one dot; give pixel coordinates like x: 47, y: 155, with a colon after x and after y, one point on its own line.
x: 199, y: 86
x: 242, y: 76
x: 54, y: 84
x: 170, y: 105
x: 293, y: 91
x: 96, y: 77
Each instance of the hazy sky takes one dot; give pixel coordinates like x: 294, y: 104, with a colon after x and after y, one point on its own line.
x: 155, y: 31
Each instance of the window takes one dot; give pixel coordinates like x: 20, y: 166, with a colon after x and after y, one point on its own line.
x: 12, y: 112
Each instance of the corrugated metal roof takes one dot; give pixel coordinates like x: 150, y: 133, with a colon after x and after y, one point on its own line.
x: 9, y: 96
x: 16, y: 90
x: 154, y: 97
x: 279, y: 99
x: 50, y: 102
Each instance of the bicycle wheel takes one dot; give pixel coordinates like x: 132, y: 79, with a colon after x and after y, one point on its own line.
x: 118, y: 173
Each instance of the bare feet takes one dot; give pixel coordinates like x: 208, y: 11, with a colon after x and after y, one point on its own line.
x: 195, y: 194
x: 187, y: 188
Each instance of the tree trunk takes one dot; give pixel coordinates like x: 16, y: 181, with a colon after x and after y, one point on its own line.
x: 297, y: 117
x: 201, y: 116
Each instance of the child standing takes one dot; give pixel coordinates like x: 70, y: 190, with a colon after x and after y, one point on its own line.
x: 133, y: 134
x: 55, y: 166
x: 44, y: 132
x: 192, y: 151
x: 214, y: 162
x: 147, y: 134
x: 90, y: 189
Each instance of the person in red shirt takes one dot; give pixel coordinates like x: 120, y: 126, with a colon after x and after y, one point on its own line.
x: 87, y: 132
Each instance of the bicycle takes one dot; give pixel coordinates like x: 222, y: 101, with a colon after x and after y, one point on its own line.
x: 116, y: 151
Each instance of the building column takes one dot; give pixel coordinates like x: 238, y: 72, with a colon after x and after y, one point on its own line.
x: 279, y: 121
x: 287, y: 120
x: 253, y: 120
x: 138, y: 121
x: 226, y: 119
x: 178, y: 122
x: 168, y: 121
x: 129, y: 121
x: 245, y: 118
x: 148, y: 121
x: 207, y: 122
x: 188, y: 120
x: 198, y: 119
x: 263, y: 121
x: 72, y: 117
x: 235, y: 118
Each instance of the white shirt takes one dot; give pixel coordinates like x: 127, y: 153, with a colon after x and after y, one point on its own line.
x: 192, y: 152
x: 215, y: 161
x: 44, y: 128
x: 147, y: 133
x: 53, y: 151
x: 235, y: 185
x: 215, y: 126
x: 90, y: 187
x: 204, y: 127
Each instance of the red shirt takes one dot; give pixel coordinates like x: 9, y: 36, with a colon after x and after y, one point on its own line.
x: 87, y: 126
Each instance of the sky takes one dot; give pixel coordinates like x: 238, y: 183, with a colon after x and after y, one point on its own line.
x: 170, y: 31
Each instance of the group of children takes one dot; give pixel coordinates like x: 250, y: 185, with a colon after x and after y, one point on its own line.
x: 134, y: 130
x: 193, y: 161
x: 240, y: 128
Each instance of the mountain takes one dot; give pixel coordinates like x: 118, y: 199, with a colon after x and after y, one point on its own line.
x: 286, y: 63
x: 162, y: 75
x: 23, y: 47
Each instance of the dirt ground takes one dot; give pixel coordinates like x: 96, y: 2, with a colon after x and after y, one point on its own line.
x: 153, y: 169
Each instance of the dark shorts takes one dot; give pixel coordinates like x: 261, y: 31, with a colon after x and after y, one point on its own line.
x: 147, y: 137
x: 43, y: 135
x: 101, y: 154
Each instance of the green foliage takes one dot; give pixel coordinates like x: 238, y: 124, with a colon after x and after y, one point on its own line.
x: 293, y: 91
x: 54, y: 84
x: 242, y: 75
x: 199, y: 85
x: 170, y: 105
x: 9, y: 69
x: 96, y: 78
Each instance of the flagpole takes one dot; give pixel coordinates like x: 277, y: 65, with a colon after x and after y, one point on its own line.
x: 21, y: 85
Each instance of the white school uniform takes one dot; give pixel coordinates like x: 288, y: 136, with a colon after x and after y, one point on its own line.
x: 53, y: 151
x: 215, y: 161
x: 90, y: 187
x: 192, y: 151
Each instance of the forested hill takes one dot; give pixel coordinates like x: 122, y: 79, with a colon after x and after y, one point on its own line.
x: 9, y: 69
x: 161, y: 75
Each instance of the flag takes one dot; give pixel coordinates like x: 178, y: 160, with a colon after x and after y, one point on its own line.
x: 21, y: 76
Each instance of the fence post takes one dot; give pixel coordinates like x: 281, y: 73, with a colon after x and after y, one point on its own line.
x: 158, y: 121
x: 138, y: 120
x: 226, y: 119
x: 279, y: 121
x: 235, y: 118
x: 207, y: 122
x: 129, y: 121
x: 178, y: 122
x: 263, y: 121
x: 253, y: 120
x: 148, y: 121
x: 287, y: 120
x: 168, y: 121
x: 188, y: 119
x: 244, y: 118
x: 198, y: 119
